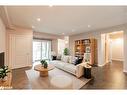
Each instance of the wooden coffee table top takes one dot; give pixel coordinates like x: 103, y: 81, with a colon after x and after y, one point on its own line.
x: 40, y: 68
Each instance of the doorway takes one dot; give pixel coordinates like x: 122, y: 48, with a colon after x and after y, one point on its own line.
x: 113, y: 47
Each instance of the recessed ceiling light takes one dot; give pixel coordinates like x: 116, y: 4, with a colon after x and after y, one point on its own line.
x: 38, y: 19
x: 50, y: 5
x: 33, y: 26
x: 89, y: 26
x: 73, y: 30
x: 63, y: 33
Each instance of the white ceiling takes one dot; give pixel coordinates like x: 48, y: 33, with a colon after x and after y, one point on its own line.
x: 67, y: 20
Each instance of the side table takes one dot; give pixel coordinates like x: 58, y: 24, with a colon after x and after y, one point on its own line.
x: 87, y: 72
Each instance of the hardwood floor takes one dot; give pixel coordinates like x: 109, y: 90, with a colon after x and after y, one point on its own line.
x: 110, y: 76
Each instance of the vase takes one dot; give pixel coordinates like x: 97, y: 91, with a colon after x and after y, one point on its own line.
x: 45, y: 65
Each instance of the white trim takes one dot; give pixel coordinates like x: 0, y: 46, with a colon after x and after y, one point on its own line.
x: 125, y: 71
x: 101, y: 65
x: 118, y: 59
x: 12, y: 45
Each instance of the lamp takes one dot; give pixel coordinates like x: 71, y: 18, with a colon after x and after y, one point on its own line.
x: 53, y: 53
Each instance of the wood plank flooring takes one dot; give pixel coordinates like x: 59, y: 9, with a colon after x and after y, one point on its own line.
x: 110, y: 76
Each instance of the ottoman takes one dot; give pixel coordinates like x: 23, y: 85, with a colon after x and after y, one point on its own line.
x: 61, y: 82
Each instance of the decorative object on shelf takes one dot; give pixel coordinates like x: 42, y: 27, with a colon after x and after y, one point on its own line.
x: 44, y: 63
x: 66, y: 51
x: 87, y: 57
x: 53, y: 53
x: 88, y: 46
x: 88, y: 49
x: 3, y: 72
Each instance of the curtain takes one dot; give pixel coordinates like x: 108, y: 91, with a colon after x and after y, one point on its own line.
x: 41, y: 50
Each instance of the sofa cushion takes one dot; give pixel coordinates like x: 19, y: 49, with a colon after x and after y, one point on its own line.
x: 54, y: 61
x: 65, y: 59
x: 71, y: 68
x: 59, y: 64
x: 70, y: 59
x: 77, y: 61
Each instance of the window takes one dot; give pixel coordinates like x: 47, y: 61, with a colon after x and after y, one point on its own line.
x: 41, y: 50
x: 61, y: 46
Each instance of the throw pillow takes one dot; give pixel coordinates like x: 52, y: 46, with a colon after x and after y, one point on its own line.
x: 77, y: 61
x: 59, y: 57
x: 65, y: 59
x: 70, y: 59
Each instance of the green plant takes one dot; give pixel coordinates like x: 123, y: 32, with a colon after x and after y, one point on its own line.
x: 66, y: 51
x: 3, y: 72
x: 44, y: 63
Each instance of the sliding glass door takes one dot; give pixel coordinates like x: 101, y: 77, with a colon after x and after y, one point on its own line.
x: 41, y: 50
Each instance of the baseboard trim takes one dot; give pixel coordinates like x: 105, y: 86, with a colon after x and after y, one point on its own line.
x: 101, y: 65
x: 22, y: 67
x: 125, y: 71
x: 117, y: 60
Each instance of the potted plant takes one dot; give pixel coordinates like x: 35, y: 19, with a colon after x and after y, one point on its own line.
x: 66, y: 51
x: 3, y: 72
x: 44, y: 63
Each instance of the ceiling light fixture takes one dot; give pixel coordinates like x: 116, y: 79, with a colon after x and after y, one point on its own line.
x: 33, y: 26
x: 38, y: 19
x: 73, y: 30
x: 89, y: 26
x: 63, y: 33
x: 50, y: 5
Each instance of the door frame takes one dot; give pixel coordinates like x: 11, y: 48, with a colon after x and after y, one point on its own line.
x: 103, y: 48
x: 12, y: 39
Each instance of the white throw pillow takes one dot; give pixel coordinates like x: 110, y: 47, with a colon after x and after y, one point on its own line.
x: 70, y: 59
x: 65, y: 59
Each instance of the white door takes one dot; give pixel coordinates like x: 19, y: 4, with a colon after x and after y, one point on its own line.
x: 20, y: 50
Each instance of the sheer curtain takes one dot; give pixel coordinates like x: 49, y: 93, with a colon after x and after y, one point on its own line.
x: 41, y: 50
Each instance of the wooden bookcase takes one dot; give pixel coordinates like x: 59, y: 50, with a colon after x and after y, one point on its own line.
x: 87, y: 45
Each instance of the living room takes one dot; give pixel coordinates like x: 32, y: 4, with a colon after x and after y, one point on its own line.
x: 46, y: 45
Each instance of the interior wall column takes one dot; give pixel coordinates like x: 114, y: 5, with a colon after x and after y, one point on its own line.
x: 101, y: 49
x: 125, y: 50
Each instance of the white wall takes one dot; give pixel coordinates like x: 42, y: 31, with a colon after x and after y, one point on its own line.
x: 2, y: 36
x: 96, y: 34
x: 102, y: 50
x: 61, y: 46
x: 125, y: 50
x: 117, y: 49
x: 18, y: 31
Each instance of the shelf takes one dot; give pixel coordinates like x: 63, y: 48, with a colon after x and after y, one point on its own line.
x: 82, y: 45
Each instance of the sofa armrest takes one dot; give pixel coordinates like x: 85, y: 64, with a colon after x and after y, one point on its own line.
x: 79, y: 70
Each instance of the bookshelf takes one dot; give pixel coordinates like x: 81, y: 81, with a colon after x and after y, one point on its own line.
x: 86, y: 46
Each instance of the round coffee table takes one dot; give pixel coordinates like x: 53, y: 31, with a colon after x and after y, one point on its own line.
x: 43, y: 71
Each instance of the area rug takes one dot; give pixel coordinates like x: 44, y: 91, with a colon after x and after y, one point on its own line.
x: 38, y: 82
